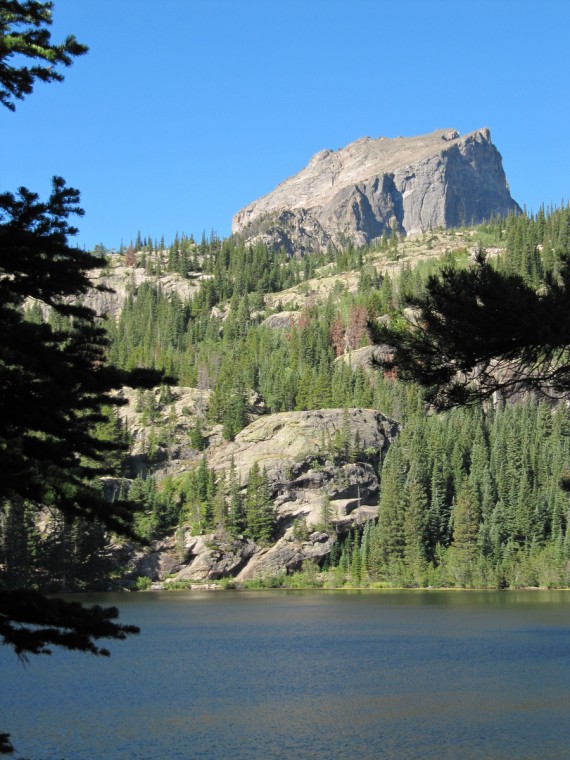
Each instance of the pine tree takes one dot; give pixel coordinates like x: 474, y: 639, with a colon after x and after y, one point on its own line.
x: 88, y: 565
x: 480, y: 324
x: 236, y: 515
x: 259, y: 511
x: 33, y: 41
x: 356, y: 560
x: 414, y: 527
x: 390, y: 509
x: 20, y: 545
x: 366, y: 550
x: 220, y: 502
x: 196, y: 435
x: 235, y: 415
x: 465, y: 530
x: 326, y: 516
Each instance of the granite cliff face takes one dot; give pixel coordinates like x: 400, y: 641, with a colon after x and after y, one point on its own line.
x: 409, y: 184
x: 119, y: 281
x: 302, y: 454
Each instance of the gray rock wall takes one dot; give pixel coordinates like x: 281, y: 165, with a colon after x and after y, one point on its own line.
x: 298, y: 450
x: 375, y: 186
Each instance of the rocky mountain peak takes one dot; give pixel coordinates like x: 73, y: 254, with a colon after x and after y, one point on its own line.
x: 372, y: 186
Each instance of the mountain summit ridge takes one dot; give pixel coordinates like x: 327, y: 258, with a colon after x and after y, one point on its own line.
x: 371, y: 186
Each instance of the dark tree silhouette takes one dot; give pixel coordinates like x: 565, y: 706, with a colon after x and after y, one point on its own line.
x: 54, y: 378
x: 54, y: 383
x: 476, y: 332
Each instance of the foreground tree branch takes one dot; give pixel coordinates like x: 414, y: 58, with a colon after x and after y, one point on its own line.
x: 477, y: 332
x: 56, y: 623
x: 24, y: 34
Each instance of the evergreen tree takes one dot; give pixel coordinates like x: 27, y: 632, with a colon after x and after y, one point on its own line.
x: 196, y: 436
x: 390, y: 513
x: 20, y: 544
x: 220, y: 503
x: 465, y: 530
x: 326, y: 516
x: 235, y: 415
x: 356, y: 560
x: 205, y: 496
x: 236, y: 515
x: 414, y: 527
x: 24, y: 32
x: 259, y: 511
x: 477, y: 332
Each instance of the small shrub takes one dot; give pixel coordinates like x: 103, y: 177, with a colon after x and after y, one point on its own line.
x: 143, y: 583
x: 300, y: 529
x: 179, y: 585
x: 268, y: 581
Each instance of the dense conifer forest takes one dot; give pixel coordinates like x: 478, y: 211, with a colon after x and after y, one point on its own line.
x: 470, y: 497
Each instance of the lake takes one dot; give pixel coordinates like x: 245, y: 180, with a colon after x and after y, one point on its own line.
x: 306, y: 674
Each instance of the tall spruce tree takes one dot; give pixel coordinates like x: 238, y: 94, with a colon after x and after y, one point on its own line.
x: 236, y: 512
x: 465, y: 529
x: 54, y: 384
x: 259, y: 511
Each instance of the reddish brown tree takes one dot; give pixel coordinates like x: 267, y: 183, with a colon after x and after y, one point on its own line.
x: 337, y: 334
x: 357, y: 330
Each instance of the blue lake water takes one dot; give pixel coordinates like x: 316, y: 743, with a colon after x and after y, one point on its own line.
x: 303, y: 674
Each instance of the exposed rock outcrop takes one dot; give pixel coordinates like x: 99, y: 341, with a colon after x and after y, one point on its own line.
x: 288, y: 555
x: 331, y: 454
x: 410, y: 184
x: 288, y: 443
x: 120, y: 280
x: 282, y: 320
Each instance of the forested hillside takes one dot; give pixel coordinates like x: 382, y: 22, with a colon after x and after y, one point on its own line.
x: 470, y: 497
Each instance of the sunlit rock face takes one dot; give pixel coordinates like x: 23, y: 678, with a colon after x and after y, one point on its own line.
x: 355, y: 194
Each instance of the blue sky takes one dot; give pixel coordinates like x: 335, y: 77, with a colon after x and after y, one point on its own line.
x: 184, y: 111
